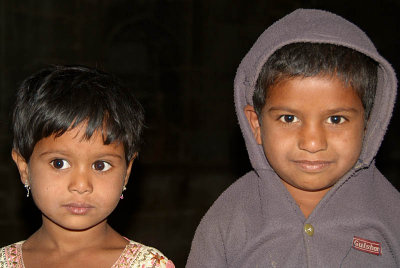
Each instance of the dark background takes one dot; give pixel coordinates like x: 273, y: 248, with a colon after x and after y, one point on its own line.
x: 180, y: 57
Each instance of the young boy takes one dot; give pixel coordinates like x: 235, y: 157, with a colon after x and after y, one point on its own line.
x: 314, y: 99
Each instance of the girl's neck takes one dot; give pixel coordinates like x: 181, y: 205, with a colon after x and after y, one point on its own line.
x: 53, y: 236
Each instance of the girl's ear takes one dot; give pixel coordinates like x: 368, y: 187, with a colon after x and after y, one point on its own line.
x: 128, y: 169
x: 22, y: 166
x: 254, y: 123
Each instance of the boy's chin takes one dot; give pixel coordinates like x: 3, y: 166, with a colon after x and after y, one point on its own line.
x: 308, y: 187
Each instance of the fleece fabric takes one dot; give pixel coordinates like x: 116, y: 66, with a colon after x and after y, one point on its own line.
x: 257, y: 223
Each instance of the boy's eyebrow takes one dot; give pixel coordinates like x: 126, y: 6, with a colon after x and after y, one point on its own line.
x: 336, y: 110
x: 281, y: 108
x: 344, y: 109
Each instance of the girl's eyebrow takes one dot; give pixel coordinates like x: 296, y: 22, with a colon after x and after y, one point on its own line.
x: 54, y: 152
x: 109, y: 155
x: 61, y: 152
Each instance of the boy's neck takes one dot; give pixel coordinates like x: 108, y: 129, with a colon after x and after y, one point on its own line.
x: 306, y: 200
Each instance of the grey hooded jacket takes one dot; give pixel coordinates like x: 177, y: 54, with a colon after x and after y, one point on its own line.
x: 256, y: 222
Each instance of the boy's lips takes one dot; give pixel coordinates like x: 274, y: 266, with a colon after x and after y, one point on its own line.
x: 78, y: 208
x: 312, y: 166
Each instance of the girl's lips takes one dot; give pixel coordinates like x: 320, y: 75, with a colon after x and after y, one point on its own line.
x: 312, y: 166
x: 78, y: 208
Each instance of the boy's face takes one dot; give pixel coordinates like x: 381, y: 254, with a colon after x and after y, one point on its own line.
x: 75, y: 183
x: 311, y: 131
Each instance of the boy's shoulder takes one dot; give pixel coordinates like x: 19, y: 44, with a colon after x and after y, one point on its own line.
x: 234, y: 213
x: 223, y: 229
x: 235, y: 199
x: 377, y: 192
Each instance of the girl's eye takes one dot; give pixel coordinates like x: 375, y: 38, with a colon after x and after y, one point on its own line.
x: 60, y: 164
x: 288, y: 118
x: 336, y: 119
x: 101, y: 166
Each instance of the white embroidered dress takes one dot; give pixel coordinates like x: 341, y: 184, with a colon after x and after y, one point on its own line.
x: 134, y: 255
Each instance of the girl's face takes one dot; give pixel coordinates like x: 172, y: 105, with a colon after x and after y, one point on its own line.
x: 76, y: 183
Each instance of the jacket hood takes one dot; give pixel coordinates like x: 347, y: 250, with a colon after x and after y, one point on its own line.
x: 314, y: 26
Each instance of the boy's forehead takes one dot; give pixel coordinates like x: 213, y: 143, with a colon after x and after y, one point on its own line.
x: 329, y: 93
x: 328, y: 79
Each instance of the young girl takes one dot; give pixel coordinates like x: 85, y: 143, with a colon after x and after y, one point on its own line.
x: 76, y: 134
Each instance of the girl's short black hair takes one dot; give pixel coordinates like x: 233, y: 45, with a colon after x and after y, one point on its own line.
x: 315, y: 59
x: 59, y: 98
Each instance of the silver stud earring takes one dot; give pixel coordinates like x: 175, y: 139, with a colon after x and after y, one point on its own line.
x: 122, y: 194
x: 27, y: 187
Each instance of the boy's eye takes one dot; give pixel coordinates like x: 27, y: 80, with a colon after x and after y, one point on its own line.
x: 60, y: 164
x: 101, y: 166
x: 336, y: 119
x: 288, y: 118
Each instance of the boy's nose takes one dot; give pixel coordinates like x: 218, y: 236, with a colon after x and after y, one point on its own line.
x: 312, y: 138
x: 80, y: 182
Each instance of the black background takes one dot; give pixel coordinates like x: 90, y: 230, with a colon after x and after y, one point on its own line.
x: 180, y: 57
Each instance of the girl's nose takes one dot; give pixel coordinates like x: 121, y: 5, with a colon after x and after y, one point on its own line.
x: 312, y: 138
x: 80, y: 182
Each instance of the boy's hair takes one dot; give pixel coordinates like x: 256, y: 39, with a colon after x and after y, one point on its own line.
x: 314, y: 59
x: 59, y: 98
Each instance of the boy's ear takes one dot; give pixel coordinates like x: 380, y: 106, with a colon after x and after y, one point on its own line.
x: 22, y: 166
x: 128, y: 169
x: 253, y: 121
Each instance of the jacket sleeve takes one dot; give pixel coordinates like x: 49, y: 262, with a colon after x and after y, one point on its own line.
x: 222, y: 232
x: 207, y: 246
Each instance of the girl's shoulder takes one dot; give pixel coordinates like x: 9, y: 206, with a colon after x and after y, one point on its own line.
x: 134, y: 255
x: 11, y: 255
x: 139, y: 255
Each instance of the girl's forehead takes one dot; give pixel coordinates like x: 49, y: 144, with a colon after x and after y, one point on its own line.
x: 75, y: 140
x: 84, y: 132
